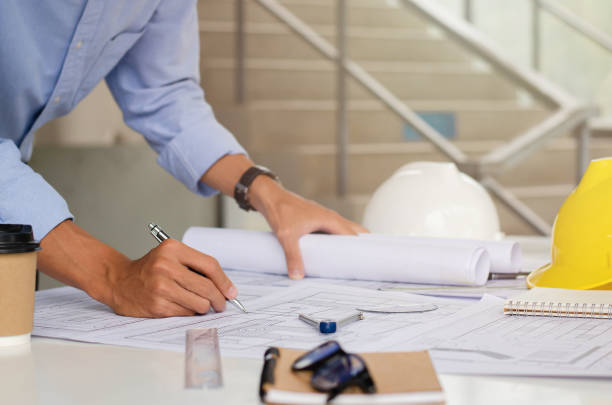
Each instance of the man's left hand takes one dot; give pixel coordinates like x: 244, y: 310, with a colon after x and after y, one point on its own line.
x: 291, y: 216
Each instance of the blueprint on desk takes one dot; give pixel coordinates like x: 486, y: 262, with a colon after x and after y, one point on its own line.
x: 272, y: 321
x: 251, y: 284
x: 463, y: 336
x: 481, y: 339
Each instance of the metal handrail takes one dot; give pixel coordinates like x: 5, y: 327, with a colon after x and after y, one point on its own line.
x: 564, y: 14
x: 570, y: 114
x: 587, y: 30
x: 569, y: 109
x: 468, y: 11
x: 582, y: 27
x: 342, y: 101
x: 476, y: 42
x: 579, y: 25
x: 365, y: 79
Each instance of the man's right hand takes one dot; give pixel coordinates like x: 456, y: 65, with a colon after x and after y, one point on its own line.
x: 157, y: 285
x: 160, y: 284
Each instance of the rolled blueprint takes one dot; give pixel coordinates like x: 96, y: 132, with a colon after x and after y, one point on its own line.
x: 346, y: 257
x: 506, y: 256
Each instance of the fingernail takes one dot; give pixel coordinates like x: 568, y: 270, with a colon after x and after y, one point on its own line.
x: 296, y: 275
x: 232, y: 292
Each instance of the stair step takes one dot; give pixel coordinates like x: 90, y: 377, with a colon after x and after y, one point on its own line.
x: 266, y: 125
x: 374, y: 66
x: 278, y: 41
x: 317, y: 80
x: 310, y: 170
x: 374, y: 13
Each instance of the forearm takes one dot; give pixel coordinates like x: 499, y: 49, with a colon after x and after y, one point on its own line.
x: 226, y: 172
x: 74, y: 257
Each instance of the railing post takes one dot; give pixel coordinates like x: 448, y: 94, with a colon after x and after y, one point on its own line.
x: 536, y: 32
x: 468, y: 11
x: 240, y: 49
x: 341, y: 98
x: 583, y: 140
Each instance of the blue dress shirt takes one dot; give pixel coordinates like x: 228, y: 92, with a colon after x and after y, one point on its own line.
x: 53, y: 53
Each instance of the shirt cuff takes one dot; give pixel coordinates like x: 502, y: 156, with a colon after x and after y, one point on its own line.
x: 190, y: 154
x: 26, y: 198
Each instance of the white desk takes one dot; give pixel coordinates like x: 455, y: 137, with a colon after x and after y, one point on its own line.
x: 53, y: 372
x: 57, y: 372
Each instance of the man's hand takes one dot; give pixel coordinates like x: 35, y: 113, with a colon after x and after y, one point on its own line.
x: 157, y: 285
x: 291, y: 216
x: 160, y: 284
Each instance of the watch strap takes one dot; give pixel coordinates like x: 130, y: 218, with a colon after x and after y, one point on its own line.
x: 241, y: 189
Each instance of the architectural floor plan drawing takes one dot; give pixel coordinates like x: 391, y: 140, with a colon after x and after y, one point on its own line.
x: 482, y: 340
x: 272, y: 321
x: 254, y: 285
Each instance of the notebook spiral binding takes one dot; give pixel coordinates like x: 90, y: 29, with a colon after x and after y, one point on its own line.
x: 558, y: 309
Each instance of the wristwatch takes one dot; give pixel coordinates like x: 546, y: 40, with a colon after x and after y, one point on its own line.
x: 242, y: 187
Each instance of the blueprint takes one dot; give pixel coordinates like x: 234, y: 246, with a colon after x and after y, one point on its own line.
x: 272, y: 319
x: 499, y: 288
x: 254, y: 285
x: 463, y: 336
x: 356, y: 257
x: 480, y: 339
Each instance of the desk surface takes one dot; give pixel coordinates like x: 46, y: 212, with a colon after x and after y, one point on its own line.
x: 54, y: 372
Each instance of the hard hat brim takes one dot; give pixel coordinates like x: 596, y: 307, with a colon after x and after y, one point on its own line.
x: 555, y: 276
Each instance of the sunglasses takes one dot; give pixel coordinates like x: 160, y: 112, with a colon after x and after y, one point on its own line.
x: 334, y: 370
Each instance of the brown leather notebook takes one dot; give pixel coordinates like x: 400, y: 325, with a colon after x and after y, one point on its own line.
x: 400, y: 378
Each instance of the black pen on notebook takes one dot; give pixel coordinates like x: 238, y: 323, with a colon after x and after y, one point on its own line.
x: 161, y: 236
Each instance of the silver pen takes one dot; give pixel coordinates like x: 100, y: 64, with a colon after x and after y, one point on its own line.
x: 161, y: 236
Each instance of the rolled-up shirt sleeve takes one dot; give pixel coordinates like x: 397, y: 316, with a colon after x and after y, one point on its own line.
x: 25, y: 197
x: 157, y: 87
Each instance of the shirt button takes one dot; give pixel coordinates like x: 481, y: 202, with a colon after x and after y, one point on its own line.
x: 57, y: 99
x: 79, y: 45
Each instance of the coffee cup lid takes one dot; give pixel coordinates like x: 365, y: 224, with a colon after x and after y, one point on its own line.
x: 16, y: 238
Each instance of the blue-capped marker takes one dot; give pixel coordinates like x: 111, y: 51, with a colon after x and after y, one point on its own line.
x: 328, y: 325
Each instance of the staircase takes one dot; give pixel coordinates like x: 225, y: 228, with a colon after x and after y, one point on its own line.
x: 288, y: 120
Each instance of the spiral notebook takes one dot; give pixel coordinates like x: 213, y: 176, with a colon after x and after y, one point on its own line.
x: 542, y: 301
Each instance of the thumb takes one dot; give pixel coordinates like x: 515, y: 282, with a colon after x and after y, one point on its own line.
x: 293, y: 255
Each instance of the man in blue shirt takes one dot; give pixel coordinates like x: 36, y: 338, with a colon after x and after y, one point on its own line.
x: 52, y: 54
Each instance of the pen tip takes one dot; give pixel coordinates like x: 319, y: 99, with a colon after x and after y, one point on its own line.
x: 151, y: 226
x: 239, y: 305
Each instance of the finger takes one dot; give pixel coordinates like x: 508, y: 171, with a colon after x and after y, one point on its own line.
x: 339, y: 226
x: 165, y: 309
x: 358, y: 228
x: 293, y: 255
x: 183, y: 297
x: 208, y: 266
x: 203, y: 288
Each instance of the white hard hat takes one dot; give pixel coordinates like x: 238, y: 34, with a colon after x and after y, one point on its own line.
x: 432, y: 199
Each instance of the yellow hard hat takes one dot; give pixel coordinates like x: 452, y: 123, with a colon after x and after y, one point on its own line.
x: 582, y: 236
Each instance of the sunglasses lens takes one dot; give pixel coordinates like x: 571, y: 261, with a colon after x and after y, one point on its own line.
x: 316, y: 355
x: 341, y: 371
x: 334, y: 373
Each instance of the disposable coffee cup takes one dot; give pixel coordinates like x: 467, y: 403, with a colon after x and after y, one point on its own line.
x: 17, y: 283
